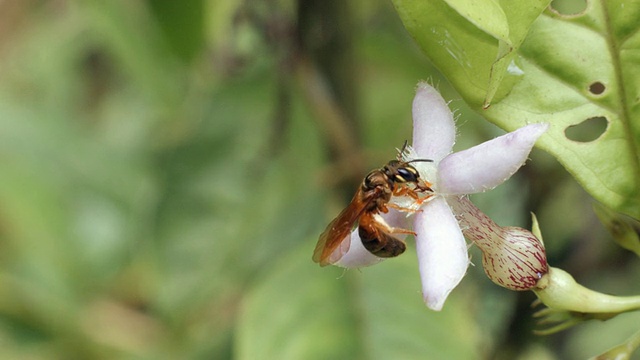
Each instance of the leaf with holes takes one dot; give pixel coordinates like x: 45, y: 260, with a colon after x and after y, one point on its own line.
x: 579, y: 72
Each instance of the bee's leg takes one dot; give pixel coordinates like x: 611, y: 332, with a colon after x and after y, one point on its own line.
x: 388, y: 228
x: 395, y: 230
x: 420, y: 201
x: 426, y: 187
x: 405, y: 190
x: 401, y: 208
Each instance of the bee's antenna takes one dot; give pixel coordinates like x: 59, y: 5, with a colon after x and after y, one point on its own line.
x: 404, y: 146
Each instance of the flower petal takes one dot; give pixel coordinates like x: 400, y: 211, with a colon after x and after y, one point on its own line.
x: 442, y: 252
x: 487, y: 165
x: 434, y: 130
x: 358, y: 256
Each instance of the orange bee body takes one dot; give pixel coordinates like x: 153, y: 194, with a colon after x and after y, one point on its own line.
x: 371, y: 198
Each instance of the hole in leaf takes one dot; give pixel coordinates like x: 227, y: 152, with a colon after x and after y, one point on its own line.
x: 597, y: 88
x: 588, y: 130
x: 568, y: 7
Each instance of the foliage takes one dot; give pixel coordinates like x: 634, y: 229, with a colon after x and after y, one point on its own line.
x: 547, y: 76
x: 165, y: 172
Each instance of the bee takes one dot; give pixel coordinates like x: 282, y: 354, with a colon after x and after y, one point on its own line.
x: 372, y: 198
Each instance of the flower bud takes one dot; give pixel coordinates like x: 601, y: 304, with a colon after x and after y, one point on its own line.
x: 621, y: 227
x: 513, y: 257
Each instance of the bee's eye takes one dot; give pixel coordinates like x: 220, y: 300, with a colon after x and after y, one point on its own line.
x: 406, y: 175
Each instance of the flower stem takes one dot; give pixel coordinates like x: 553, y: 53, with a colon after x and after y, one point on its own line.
x: 624, y: 350
x: 558, y: 290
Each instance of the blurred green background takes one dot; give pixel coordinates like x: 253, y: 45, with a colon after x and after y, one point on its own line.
x: 166, y: 168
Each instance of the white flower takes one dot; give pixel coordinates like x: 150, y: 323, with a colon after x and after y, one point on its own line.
x: 440, y: 244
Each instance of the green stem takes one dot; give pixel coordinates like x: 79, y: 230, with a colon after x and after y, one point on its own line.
x: 624, y: 350
x: 558, y: 290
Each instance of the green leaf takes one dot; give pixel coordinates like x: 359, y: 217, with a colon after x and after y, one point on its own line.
x: 485, y: 14
x: 280, y: 317
x: 568, y: 69
x: 621, y: 228
x: 181, y: 24
x: 301, y: 311
x: 472, y: 43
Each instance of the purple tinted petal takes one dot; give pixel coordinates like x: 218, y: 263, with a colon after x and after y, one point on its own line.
x: 487, y: 165
x: 357, y: 256
x: 434, y: 130
x: 478, y: 227
x: 442, y: 252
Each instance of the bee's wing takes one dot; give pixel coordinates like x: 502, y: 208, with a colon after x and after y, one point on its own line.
x: 336, y: 235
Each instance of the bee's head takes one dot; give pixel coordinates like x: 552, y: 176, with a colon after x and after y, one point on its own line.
x: 401, y: 172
